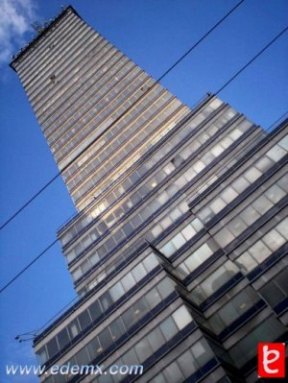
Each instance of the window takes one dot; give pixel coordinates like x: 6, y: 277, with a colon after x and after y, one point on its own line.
x: 156, y: 339
x: 187, y: 363
x: 42, y: 354
x: 106, y: 300
x: 275, y: 193
x: 173, y: 373
x: 178, y: 241
x: 276, y: 290
x: 63, y: 338
x: 188, y: 232
x: 276, y: 153
x: 143, y: 349
x: 229, y: 194
x: 117, y: 329
x: 272, y: 294
x: 128, y: 282
x: 73, y: 328
x: 259, y: 251
x: 252, y: 174
x: 150, y: 262
x: 165, y: 288
x: 105, y: 338
x: 168, y: 249
x: 240, y: 184
x: 139, y: 272
x: 168, y: 328
x: 52, y: 347
x: 117, y: 292
x: 217, y: 205
x: 153, y: 298
x: 233, y: 309
x: 201, y: 352
x: 198, y: 257
x: 81, y: 357
x: 246, y: 348
x: 95, y: 310
x: 182, y: 317
x: 84, y: 320
x: 94, y: 348
x: 273, y: 240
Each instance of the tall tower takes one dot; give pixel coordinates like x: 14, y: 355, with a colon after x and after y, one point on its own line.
x: 179, y: 246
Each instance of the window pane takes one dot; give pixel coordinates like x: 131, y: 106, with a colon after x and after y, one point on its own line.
x: 150, y: 262
x: 223, y: 237
x: 275, y: 193
x: 42, y: 354
x: 276, y: 153
x: 182, y: 317
x: 84, y: 320
x: 229, y: 194
x: 187, y: 364
x: 63, y: 338
x: 73, y: 329
x: 263, y: 164
x: 168, y: 249
x: 201, y: 352
x: 52, y: 347
x: 117, y: 328
x: 262, y: 204
x: 129, y: 317
x: 139, y: 272
x: 82, y: 357
x: 240, y: 184
x: 158, y: 379
x: 188, y: 232
x: 173, y: 373
x: 106, y: 300
x: 130, y: 357
x: 247, y: 261
x: 252, y: 174
x: 94, y: 348
x: 259, y: 251
x: 95, y: 310
x: 156, y: 339
x: 168, y: 328
x: 273, y: 240
x: 237, y: 226
x: 128, y: 282
x: 217, y: 205
x: 153, y: 298
x: 143, y: 350
x: 105, y: 338
x: 282, y: 280
x: 178, y: 241
x: 165, y: 288
x: 272, y: 294
x: 117, y: 291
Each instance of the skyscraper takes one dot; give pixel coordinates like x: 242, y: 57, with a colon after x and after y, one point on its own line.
x: 179, y: 246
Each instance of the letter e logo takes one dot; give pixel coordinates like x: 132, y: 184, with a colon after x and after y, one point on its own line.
x: 271, y: 360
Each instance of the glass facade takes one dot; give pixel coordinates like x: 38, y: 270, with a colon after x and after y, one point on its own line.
x: 178, y: 250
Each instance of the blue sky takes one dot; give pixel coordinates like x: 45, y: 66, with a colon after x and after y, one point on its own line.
x: 154, y: 33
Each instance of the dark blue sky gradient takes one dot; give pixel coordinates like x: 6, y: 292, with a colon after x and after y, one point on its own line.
x: 154, y: 33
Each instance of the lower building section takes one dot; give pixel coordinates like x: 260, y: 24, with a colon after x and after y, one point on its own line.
x: 185, y: 285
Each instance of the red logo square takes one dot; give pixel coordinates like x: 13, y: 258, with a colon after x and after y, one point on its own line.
x: 271, y: 360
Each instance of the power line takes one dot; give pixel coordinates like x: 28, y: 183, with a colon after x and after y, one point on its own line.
x: 28, y: 266
x: 220, y: 89
x: 252, y: 60
x: 27, y: 203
